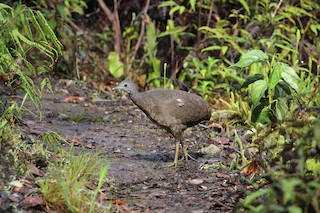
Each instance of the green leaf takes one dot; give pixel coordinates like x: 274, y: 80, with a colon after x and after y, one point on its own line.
x: 62, y: 11
x: 251, y: 57
x: 193, y: 4
x: 3, y: 123
x: 257, y: 91
x: 115, y: 65
x: 251, y: 79
x: 281, y: 109
x: 261, y: 114
x: 275, y: 76
x: 245, y: 5
x: 290, y: 76
x: 283, y: 85
x: 168, y: 4
x: 288, y: 187
x: 255, y: 195
x: 264, y: 116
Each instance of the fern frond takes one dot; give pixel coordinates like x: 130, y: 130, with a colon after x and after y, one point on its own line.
x: 36, y: 25
x: 48, y: 30
x: 25, y: 23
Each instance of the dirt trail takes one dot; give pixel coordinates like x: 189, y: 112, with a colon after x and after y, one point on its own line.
x: 139, y: 152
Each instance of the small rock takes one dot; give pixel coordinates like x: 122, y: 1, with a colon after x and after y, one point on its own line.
x: 196, y: 181
x: 210, y: 150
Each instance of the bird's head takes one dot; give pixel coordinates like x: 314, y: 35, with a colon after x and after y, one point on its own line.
x: 126, y: 86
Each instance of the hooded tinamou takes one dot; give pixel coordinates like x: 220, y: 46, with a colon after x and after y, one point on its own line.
x: 173, y: 110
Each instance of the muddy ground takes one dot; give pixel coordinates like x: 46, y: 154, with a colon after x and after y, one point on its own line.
x: 140, y: 152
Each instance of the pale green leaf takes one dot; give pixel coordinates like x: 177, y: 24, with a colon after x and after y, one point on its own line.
x: 251, y: 57
x: 290, y: 76
x: 275, y: 76
x: 115, y: 65
x: 281, y: 109
x: 257, y: 91
x: 193, y: 4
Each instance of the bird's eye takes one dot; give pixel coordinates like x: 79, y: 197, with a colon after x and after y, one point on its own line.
x: 125, y: 85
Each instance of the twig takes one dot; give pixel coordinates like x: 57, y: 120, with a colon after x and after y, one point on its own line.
x: 114, y: 18
x: 275, y: 11
x: 142, y: 30
x: 106, y: 10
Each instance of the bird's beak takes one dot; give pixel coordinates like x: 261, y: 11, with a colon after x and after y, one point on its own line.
x: 115, y: 88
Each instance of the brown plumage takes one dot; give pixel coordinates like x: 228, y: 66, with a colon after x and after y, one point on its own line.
x: 173, y: 110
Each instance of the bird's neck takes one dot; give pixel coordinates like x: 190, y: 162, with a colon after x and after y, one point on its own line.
x: 137, y: 99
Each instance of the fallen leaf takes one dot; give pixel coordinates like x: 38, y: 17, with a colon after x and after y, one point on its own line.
x: 203, y: 187
x: 15, y: 197
x: 90, y: 146
x: 116, y: 151
x: 16, y: 183
x: 34, y: 170
x: 76, y: 141
x: 118, y: 202
x: 222, y: 175
x: 232, y: 155
x: 223, y: 140
x: 73, y: 99
x: 32, y: 201
x: 196, y: 181
x: 252, y: 169
x: 22, y: 190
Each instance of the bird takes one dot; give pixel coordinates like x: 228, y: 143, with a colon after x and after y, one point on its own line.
x: 172, y: 110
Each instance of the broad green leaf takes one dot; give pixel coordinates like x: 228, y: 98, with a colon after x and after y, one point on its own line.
x: 275, y: 76
x: 251, y: 57
x: 115, y: 65
x: 261, y: 114
x: 251, y: 79
x: 283, y: 85
x: 290, y: 76
x: 281, y: 109
x: 257, y: 91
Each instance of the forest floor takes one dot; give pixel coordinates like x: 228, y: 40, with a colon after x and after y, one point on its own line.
x: 139, y: 153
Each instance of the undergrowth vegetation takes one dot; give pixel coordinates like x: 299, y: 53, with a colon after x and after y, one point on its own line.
x: 29, y: 48
x: 257, y: 62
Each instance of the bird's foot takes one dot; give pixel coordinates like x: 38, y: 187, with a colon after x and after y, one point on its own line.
x: 186, y: 155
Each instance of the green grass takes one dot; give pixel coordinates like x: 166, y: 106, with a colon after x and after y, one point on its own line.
x: 70, y: 182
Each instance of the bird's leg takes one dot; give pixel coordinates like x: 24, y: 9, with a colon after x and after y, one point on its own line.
x: 185, y: 153
x: 176, y: 155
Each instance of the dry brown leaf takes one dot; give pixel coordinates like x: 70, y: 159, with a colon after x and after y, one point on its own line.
x: 34, y: 170
x: 252, y: 169
x: 32, y: 201
x: 22, y: 190
x: 76, y: 141
x: 223, y: 140
x: 222, y: 175
x: 73, y: 99
x: 90, y: 146
x: 118, y: 202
